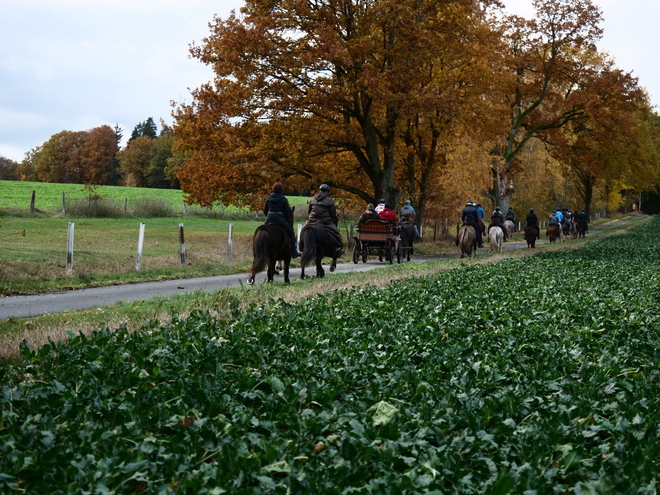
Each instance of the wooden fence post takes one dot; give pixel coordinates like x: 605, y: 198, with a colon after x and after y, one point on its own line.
x: 69, y: 249
x: 229, y: 242
x: 32, y: 198
x: 182, y: 245
x: 138, y: 260
x: 185, y: 208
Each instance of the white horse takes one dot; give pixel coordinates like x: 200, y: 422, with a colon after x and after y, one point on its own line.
x: 510, y: 227
x: 495, y: 237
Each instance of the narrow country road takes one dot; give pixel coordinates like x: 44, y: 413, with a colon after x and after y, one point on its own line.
x: 37, y: 305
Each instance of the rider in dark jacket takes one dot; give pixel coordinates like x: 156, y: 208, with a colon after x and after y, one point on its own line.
x: 278, y: 213
x: 322, y: 211
x: 470, y: 217
x: 533, y: 221
x: 497, y: 220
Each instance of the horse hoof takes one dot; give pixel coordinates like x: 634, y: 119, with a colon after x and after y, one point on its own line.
x: 332, y: 268
x: 250, y: 281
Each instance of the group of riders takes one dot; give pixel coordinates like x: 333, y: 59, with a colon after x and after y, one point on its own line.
x: 473, y: 214
x: 322, y: 211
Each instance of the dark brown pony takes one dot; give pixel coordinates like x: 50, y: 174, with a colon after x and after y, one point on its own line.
x: 315, y: 244
x: 467, y: 240
x: 531, y: 233
x: 553, y: 233
x: 406, y: 239
x: 270, y: 244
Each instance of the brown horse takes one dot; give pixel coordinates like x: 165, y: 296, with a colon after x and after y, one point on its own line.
x: 315, y: 244
x: 531, y: 233
x: 467, y: 240
x: 406, y: 239
x: 553, y: 233
x: 270, y: 244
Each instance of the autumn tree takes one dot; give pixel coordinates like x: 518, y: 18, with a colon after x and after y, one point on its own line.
x: 133, y: 161
x: 9, y: 169
x: 549, y: 58
x: 147, y: 128
x: 82, y: 157
x: 607, y: 145
x: 360, y: 95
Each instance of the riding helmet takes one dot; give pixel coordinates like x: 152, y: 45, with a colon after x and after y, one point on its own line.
x: 469, y: 201
x: 324, y: 188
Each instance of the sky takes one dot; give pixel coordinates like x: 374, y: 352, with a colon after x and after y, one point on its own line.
x: 79, y: 64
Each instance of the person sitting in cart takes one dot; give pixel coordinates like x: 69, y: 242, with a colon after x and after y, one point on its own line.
x: 369, y: 214
x: 322, y: 211
x: 388, y: 214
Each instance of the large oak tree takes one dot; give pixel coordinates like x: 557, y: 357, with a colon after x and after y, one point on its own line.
x: 363, y: 95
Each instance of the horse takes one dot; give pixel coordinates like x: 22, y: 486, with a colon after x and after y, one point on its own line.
x: 531, y: 233
x: 553, y: 233
x: 482, y: 226
x: 510, y: 227
x: 566, y: 228
x: 467, y: 240
x: 406, y: 239
x: 582, y: 228
x: 270, y: 244
x: 315, y: 244
x: 576, y: 229
x: 495, y: 237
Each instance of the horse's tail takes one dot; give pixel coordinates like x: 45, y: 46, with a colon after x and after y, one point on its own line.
x: 259, y: 250
x: 308, y: 240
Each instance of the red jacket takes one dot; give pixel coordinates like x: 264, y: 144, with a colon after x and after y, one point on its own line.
x: 388, y: 214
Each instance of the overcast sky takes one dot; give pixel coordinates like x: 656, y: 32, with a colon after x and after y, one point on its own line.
x: 78, y: 64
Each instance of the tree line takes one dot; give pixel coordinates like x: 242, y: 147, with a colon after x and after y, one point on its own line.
x: 95, y: 157
x: 431, y: 101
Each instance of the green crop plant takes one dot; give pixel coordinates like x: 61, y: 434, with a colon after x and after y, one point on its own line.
x: 534, y: 375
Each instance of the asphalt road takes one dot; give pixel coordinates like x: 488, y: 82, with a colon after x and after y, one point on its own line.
x: 38, y: 305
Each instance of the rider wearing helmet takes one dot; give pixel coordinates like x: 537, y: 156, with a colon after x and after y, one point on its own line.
x: 497, y: 220
x: 278, y: 213
x: 322, y: 211
x: 470, y: 217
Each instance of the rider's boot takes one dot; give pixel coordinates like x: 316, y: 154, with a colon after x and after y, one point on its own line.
x: 294, y: 251
x: 340, y: 252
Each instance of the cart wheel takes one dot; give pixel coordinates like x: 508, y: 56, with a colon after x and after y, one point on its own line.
x: 356, y: 254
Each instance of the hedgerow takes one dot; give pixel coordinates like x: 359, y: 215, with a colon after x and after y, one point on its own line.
x: 536, y: 375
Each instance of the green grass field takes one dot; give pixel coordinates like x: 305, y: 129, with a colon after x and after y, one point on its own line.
x: 16, y: 194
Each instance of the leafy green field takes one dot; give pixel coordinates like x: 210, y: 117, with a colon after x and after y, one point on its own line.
x: 532, y: 375
x: 17, y: 194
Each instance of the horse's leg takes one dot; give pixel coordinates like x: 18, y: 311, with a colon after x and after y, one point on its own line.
x: 286, y: 271
x: 320, y: 272
x: 333, y: 265
x: 271, y: 269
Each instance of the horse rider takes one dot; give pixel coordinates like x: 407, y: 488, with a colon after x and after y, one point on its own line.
x: 278, y: 213
x: 470, y: 217
x: 554, y: 220
x: 388, y: 214
x: 568, y: 219
x: 510, y: 215
x: 369, y: 214
x: 584, y: 221
x: 380, y: 206
x: 404, y: 213
x: 560, y: 216
x: 533, y: 221
x: 497, y: 220
x: 481, y: 213
x: 322, y: 211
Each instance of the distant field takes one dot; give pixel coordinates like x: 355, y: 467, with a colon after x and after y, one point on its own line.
x: 16, y: 194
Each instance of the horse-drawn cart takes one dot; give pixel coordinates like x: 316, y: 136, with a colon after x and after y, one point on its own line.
x: 375, y: 238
